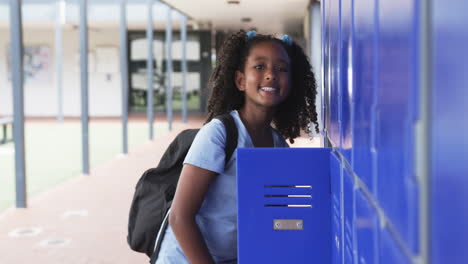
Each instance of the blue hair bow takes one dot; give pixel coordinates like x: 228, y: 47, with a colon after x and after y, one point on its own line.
x: 286, y: 39
x: 250, y: 34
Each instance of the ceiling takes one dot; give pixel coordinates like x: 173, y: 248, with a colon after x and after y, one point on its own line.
x: 267, y: 16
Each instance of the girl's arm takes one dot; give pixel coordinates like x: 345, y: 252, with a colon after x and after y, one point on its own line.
x: 191, y: 189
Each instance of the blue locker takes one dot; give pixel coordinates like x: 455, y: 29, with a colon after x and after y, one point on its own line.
x: 364, y: 90
x: 348, y: 228
x: 449, y: 126
x: 283, y: 205
x: 334, y: 72
x: 412, y: 190
x: 346, y: 85
x: 366, y: 226
x: 336, y: 214
x: 389, y: 251
x: 326, y: 61
x: 397, y: 82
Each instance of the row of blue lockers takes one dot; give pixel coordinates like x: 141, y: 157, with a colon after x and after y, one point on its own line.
x: 370, y: 64
x: 373, y: 78
x: 448, y: 80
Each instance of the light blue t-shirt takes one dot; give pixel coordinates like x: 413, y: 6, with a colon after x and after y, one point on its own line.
x: 217, y: 217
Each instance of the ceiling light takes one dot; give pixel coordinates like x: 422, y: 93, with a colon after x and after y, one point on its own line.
x: 233, y: 2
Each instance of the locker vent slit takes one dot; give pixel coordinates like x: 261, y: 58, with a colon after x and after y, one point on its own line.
x: 288, y: 186
x: 288, y: 205
x: 289, y: 195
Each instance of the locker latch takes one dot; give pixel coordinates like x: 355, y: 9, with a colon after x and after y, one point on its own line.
x: 288, y: 224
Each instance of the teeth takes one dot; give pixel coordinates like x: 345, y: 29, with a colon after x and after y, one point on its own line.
x: 268, y: 89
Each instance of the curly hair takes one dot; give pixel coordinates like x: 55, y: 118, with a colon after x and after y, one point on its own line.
x: 292, y: 115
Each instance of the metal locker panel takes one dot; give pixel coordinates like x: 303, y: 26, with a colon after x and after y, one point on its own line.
x: 364, y: 89
x: 366, y: 226
x: 336, y: 188
x: 390, y: 252
x: 334, y: 74
x: 346, y: 79
x: 277, y: 229
x: 348, y: 228
x: 336, y: 214
x: 449, y: 139
x: 336, y: 240
x: 397, y: 79
x: 411, y: 188
x: 326, y: 61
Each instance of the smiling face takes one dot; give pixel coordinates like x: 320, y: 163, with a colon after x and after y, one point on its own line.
x: 265, y: 80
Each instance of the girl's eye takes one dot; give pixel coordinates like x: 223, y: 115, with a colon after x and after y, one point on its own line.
x: 282, y: 69
x: 259, y: 67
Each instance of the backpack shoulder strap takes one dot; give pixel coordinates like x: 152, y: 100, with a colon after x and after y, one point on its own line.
x: 231, y: 145
x: 231, y: 134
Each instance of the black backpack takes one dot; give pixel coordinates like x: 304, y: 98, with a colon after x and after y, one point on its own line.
x: 156, y: 188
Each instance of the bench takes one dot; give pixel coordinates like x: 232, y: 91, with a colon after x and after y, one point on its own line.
x: 4, y: 122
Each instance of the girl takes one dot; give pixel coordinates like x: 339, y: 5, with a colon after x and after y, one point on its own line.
x: 259, y: 80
